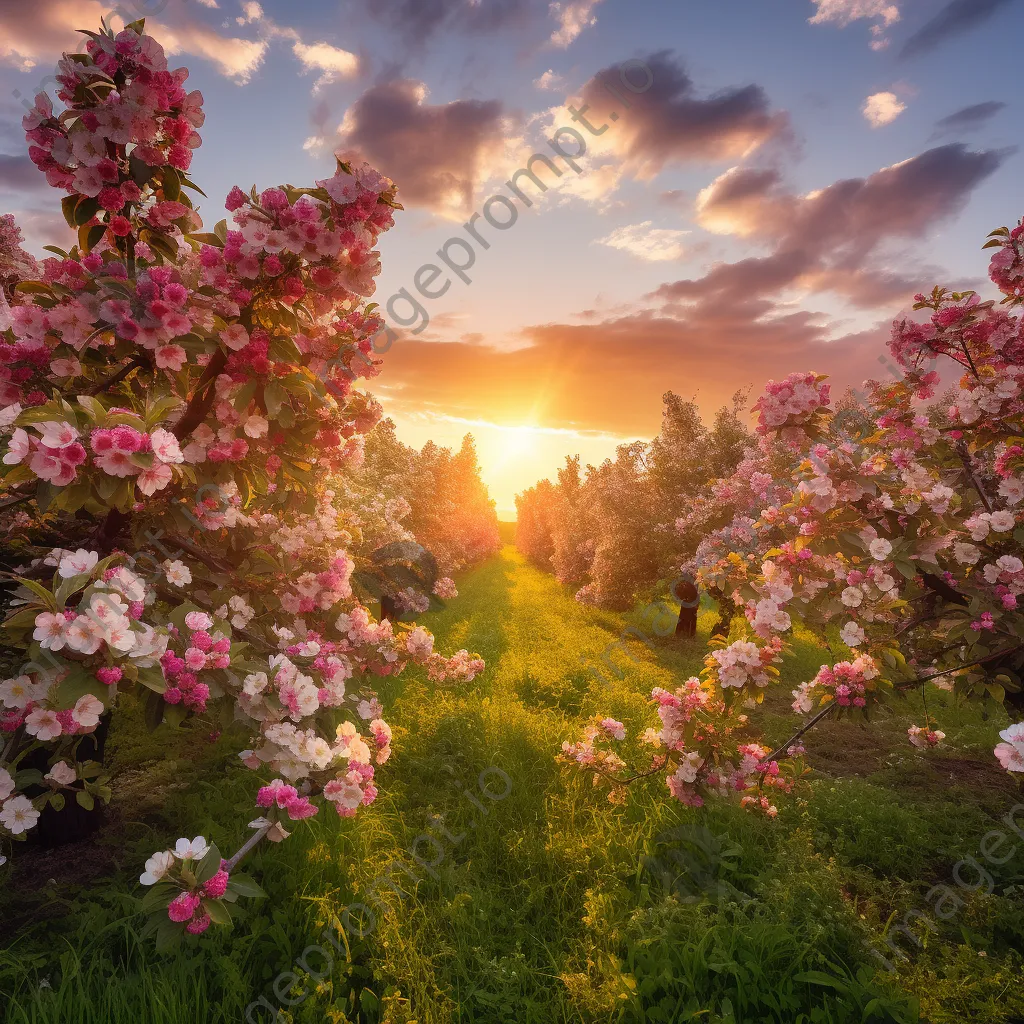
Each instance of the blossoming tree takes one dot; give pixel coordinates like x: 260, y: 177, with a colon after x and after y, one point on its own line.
x: 613, y: 531
x: 898, y: 523
x: 179, y: 413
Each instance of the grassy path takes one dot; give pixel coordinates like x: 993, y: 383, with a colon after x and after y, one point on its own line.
x: 542, y: 910
x: 491, y: 885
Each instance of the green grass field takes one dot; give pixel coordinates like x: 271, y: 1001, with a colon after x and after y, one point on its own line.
x: 504, y: 888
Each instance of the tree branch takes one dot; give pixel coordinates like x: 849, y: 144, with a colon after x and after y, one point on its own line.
x: 965, y: 458
x: 116, y: 378
x: 823, y: 713
x: 248, y: 846
x: 11, y: 502
x: 202, y: 398
x: 775, y: 755
x: 959, y: 668
x: 207, y: 559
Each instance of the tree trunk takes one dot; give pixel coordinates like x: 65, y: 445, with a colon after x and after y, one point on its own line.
x: 689, y: 601
x: 726, y: 611
x: 72, y: 823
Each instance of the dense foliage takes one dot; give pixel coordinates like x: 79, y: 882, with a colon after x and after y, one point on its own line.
x: 179, y: 419
x: 432, y: 495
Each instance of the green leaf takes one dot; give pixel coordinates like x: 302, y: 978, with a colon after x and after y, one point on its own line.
x: 820, y: 978
x: 154, y: 710
x: 76, y: 684
x: 207, y: 238
x: 171, y: 184
x: 245, y: 395
x: 218, y: 911
x: 141, y: 172
x: 274, y: 397
x: 188, y: 183
x: 73, y: 497
x: 168, y: 934
x: 67, y: 207
x: 94, y: 234
x: 72, y: 586
x: 245, y: 885
x: 174, y: 715
x: 45, y: 493
x: 152, y: 678
x: 57, y: 801
x: 40, y: 591
x: 24, y: 619
x: 158, y: 896
x: 85, y: 210
x: 93, y: 406
x: 32, y: 288
x: 85, y: 800
x: 209, y: 865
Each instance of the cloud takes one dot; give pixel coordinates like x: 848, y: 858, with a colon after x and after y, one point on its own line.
x: 733, y: 203
x: 419, y: 19
x: 882, y: 108
x: 573, y: 16
x: 646, y: 241
x: 954, y: 19
x: 884, y: 13
x: 438, y: 154
x: 669, y: 123
x: 235, y: 58
x: 737, y: 324
x: 968, y: 119
x: 822, y: 240
x: 34, y: 33
x: 20, y: 174
x: 332, y: 61
x: 845, y: 12
x: 549, y: 80
x: 856, y: 213
x: 43, y: 227
x: 595, y: 185
x: 675, y: 197
x: 598, y: 376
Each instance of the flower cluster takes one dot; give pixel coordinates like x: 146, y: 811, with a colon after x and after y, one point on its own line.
x: 791, y: 402
x: 192, y: 885
x: 1010, y: 752
x: 925, y: 737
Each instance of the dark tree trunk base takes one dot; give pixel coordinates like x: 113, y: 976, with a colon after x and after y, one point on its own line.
x: 688, y: 596
x: 72, y: 823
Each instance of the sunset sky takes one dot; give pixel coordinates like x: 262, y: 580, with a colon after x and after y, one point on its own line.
x: 793, y: 173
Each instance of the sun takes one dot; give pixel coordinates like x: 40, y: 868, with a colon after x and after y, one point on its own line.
x: 516, y: 442
x: 509, y: 452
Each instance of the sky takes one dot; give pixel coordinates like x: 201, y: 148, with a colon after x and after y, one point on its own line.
x: 730, y: 190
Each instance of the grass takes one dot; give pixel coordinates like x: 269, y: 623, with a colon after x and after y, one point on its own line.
x: 505, y: 888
